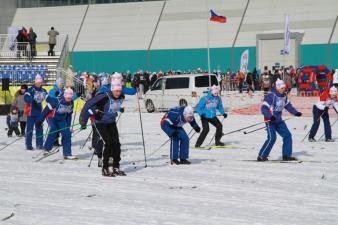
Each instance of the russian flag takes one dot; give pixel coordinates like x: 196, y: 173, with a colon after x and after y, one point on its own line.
x: 216, y: 18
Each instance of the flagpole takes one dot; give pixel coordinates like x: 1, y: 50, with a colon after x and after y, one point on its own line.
x: 206, y: 3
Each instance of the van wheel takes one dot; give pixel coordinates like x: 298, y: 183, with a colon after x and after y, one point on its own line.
x: 150, y: 106
x: 183, y: 102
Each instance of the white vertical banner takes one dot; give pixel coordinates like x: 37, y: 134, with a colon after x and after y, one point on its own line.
x: 244, y: 61
x: 11, y: 38
x: 287, y: 35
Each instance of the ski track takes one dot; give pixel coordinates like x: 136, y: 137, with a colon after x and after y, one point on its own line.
x: 217, y: 188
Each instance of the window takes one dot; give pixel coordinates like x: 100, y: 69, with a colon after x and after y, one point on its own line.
x: 177, y: 83
x: 203, y: 81
x: 157, y: 85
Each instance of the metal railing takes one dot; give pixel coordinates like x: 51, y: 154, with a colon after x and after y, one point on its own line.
x: 9, y: 46
x: 71, y: 80
x: 64, y: 53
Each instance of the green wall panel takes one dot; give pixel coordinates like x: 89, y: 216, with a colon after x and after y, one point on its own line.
x: 166, y: 59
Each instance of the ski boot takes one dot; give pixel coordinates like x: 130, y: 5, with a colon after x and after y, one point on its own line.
x: 312, y: 140
x: 184, y: 161
x: 218, y: 143
x: 262, y: 158
x: 329, y: 140
x: 70, y: 157
x: 107, y: 173
x: 289, y: 158
x: 118, y: 172
x: 175, y: 162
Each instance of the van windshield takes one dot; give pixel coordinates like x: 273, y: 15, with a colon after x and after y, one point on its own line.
x: 177, y: 83
x: 203, y: 81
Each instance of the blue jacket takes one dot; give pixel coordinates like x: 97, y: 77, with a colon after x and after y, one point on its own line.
x: 208, y: 106
x: 125, y: 90
x: 52, y: 93
x: 174, y: 119
x: 274, y: 103
x: 34, y: 96
x: 58, y: 109
x: 103, y: 106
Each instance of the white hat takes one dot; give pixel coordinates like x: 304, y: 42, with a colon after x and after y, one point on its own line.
x: 280, y: 84
x: 117, y: 76
x: 38, y: 79
x: 68, y: 93
x: 214, y: 90
x: 188, y: 111
x: 104, y: 81
x: 59, y: 81
x: 333, y: 90
x: 116, y: 85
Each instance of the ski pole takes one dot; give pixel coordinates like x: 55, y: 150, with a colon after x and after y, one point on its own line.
x: 86, y: 140
x: 19, y: 138
x: 244, y: 128
x: 248, y: 132
x: 330, y: 126
x: 104, y: 143
x: 144, y: 148
x: 65, y: 128
x: 254, y: 130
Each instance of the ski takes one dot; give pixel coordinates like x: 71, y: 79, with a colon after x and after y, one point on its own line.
x: 52, y: 152
x: 283, y: 161
x: 216, y: 147
x: 8, y: 217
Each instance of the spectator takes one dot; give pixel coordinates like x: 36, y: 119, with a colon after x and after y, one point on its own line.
x: 32, y: 41
x: 20, y: 104
x: 20, y: 39
x: 52, y: 41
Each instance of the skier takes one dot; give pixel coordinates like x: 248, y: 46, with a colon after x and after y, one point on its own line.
x: 104, y: 107
x: 328, y: 99
x: 272, y: 108
x: 34, y: 97
x: 206, y: 109
x: 57, y: 91
x: 13, y: 122
x: 97, y: 144
x: 172, y: 124
x: 59, y: 116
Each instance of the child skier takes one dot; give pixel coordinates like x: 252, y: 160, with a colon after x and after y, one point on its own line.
x: 104, y: 108
x: 172, y: 124
x: 206, y: 109
x: 59, y: 116
x: 328, y: 99
x: 272, y: 108
x: 13, y: 122
x: 34, y: 97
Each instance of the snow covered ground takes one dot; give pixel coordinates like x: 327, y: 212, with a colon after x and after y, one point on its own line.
x: 219, y: 187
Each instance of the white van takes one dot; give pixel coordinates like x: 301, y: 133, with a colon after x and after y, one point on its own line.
x: 178, y: 90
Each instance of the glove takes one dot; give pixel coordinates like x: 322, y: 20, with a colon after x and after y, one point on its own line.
x: 225, y: 115
x: 326, y: 109
x: 78, y: 94
x: 82, y: 124
x: 122, y: 110
x: 197, y: 129
x: 298, y: 114
x: 272, y: 119
x: 57, y: 93
x: 174, y: 134
x: 39, y: 123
